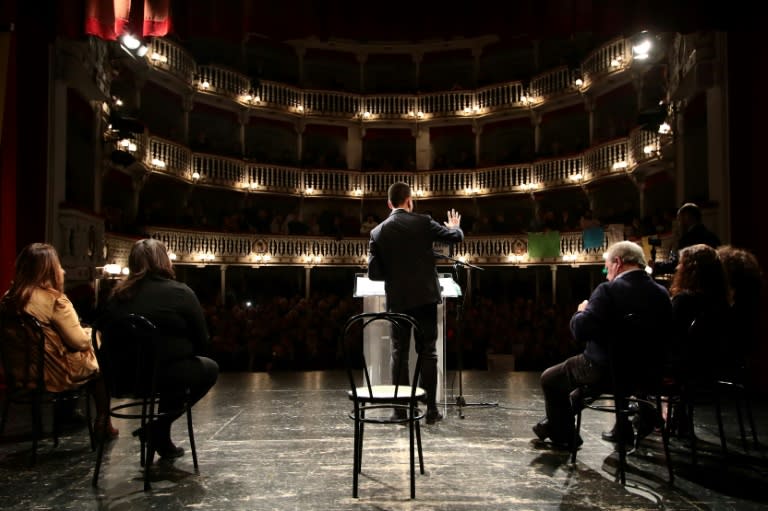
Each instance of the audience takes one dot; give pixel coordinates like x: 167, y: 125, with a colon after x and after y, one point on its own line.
x: 151, y: 290
x: 69, y: 358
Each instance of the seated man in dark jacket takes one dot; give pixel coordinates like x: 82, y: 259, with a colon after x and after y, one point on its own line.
x: 599, y: 324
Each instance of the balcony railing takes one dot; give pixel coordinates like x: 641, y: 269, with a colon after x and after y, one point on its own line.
x: 200, y: 248
x: 618, y: 156
x: 609, y: 59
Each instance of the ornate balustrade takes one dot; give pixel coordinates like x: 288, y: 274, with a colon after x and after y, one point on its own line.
x: 200, y: 248
x: 618, y: 156
x: 614, y: 56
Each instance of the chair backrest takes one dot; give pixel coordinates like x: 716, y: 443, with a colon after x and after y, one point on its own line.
x: 355, y: 359
x: 635, y: 356
x: 22, y: 350
x: 125, y: 348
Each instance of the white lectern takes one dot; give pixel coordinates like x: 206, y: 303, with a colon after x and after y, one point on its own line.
x: 378, y: 353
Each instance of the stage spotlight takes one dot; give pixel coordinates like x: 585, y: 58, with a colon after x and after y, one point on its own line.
x: 133, y: 46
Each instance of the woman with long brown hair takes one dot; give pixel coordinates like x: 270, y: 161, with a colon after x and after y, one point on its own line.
x: 699, y: 292
x: 69, y: 358
x: 152, y: 291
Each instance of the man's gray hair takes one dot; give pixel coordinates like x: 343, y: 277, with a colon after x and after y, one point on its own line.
x: 628, y: 251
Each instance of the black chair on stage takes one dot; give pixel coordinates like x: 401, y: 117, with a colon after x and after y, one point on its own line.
x: 22, y: 350
x: 130, y: 359
x: 375, y: 403
x: 710, y: 378
x: 632, y: 385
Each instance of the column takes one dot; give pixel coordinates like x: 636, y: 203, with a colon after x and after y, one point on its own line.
x: 536, y: 118
x: 362, y: 58
x: 553, y: 269
x: 243, y: 117
x: 589, y: 106
x: 477, y: 129
x: 417, y: 58
x: 300, y: 53
x: 98, y: 153
x: 423, y: 147
x: 307, y: 286
x: 57, y: 160
x: 187, y: 104
x: 717, y: 151
x: 223, y: 283
x: 300, y: 126
x: 476, y: 54
x: 679, y: 155
x: 355, y: 136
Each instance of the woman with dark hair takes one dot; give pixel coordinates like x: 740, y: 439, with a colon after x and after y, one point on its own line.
x: 69, y: 358
x: 152, y: 291
x: 699, y: 292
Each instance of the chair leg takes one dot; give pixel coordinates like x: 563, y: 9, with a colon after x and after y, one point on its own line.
x: 418, y: 443
x: 576, y: 433
x: 192, y: 439
x: 750, y: 418
x: 720, y: 428
x: 412, y: 458
x: 621, y: 442
x: 356, y: 455
x: 37, y: 426
x: 665, y: 443
x: 6, y: 405
x: 689, y: 407
x: 99, y: 454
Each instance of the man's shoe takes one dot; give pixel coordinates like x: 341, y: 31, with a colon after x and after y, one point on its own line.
x: 541, y: 429
x: 434, y: 416
x: 169, y: 451
x: 398, y: 415
x: 611, y: 436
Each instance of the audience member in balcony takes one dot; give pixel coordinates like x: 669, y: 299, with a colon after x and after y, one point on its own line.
x: 567, y: 221
x: 401, y: 255
x: 597, y: 323
x: 69, y: 357
x: 367, y: 226
x: 588, y: 220
x: 313, y: 226
x: 152, y: 291
x: 276, y: 225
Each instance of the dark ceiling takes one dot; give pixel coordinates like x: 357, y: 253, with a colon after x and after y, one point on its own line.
x: 419, y: 20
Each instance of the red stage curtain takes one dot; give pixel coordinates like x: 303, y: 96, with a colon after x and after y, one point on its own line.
x: 106, y: 18
x: 156, y: 17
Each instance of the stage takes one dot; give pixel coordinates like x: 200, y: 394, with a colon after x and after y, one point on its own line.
x: 282, y: 441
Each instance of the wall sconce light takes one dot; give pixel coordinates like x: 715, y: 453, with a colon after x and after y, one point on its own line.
x: 619, y: 165
x: 158, y: 163
x: 196, y: 175
x: 159, y: 58
x: 172, y: 256
x: 112, y: 270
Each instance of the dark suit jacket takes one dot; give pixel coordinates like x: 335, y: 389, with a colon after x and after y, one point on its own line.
x: 401, y: 255
x: 602, y: 324
x: 174, y: 309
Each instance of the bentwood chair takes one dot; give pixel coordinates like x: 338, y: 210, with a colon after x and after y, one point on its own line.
x: 706, y: 383
x: 626, y: 390
x: 376, y: 403
x: 22, y: 351
x: 129, y: 352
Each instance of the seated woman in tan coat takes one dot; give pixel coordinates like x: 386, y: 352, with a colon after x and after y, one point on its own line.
x: 69, y: 359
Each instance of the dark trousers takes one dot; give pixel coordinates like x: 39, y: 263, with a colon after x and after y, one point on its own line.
x: 557, y: 382
x: 426, y: 318
x: 198, y: 374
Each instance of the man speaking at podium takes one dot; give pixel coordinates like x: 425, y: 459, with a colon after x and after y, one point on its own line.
x: 401, y: 254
